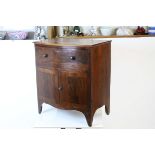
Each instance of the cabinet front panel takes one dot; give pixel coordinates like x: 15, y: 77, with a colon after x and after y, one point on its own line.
x: 47, y: 82
x: 75, y: 89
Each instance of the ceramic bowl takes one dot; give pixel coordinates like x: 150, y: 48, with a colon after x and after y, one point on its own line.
x: 107, y: 31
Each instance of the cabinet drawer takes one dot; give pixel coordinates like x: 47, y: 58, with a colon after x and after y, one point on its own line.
x: 47, y: 57
x: 74, y: 56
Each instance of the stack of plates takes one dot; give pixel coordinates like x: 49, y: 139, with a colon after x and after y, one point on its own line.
x: 151, y: 30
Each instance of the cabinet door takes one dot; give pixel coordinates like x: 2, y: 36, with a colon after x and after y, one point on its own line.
x: 47, y: 83
x: 75, y: 92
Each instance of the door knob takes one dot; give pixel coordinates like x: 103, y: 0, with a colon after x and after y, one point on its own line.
x: 45, y: 55
x: 60, y: 88
x: 72, y: 57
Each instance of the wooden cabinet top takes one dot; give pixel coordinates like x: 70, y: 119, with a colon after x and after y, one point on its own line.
x: 71, y: 42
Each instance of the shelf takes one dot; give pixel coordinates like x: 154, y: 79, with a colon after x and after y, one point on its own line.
x: 114, y: 36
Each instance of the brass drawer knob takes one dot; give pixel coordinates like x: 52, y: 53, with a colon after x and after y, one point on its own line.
x: 45, y: 55
x: 72, y: 57
x: 60, y: 88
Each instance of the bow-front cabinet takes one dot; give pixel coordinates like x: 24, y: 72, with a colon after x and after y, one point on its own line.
x: 74, y: 74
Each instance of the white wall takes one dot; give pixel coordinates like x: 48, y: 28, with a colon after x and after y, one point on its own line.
x: 132, y: 83
x: 17, y: 27
x: 132, y: 87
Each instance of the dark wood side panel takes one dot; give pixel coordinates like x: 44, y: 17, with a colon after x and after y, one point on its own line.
x: 100, y: 75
